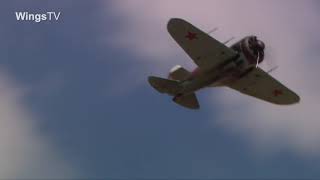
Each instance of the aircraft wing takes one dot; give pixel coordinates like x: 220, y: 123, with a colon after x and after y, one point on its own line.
x: 261, y: 85
x: 204, y: 50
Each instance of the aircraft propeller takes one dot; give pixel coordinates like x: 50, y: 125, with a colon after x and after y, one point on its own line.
x: 262, y: 52
x: 271, y: 63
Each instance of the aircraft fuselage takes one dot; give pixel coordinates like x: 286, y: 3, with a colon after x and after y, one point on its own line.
x: 250, y: 52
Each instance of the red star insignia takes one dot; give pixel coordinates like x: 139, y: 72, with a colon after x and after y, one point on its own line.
x: 277, y: 92
x: 191, y: 36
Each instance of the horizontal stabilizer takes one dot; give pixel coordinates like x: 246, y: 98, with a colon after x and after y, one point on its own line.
x: 179, y: 73
x: 162, y: 85
x: 188, y: 101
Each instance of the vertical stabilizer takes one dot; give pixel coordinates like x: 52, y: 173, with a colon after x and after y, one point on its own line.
x: 179, y: 73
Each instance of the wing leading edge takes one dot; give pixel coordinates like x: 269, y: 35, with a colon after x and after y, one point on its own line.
x: 261, y: 85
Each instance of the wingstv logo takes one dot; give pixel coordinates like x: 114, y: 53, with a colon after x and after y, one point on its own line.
x: 48, y: 16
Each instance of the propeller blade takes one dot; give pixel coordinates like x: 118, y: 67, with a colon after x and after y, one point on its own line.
x: 271, y: 62
x: 258, y: 58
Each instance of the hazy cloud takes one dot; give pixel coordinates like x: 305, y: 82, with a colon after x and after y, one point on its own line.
x: 24, y: 152
x: 289, y: 28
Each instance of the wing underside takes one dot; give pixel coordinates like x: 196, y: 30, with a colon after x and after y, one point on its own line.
x: 261, y: 85
x: 204, y: 50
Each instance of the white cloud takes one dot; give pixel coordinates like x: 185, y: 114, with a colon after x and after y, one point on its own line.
x: 24, y: 153
x: 288, y: 27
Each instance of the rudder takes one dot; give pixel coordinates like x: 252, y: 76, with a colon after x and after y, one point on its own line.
x: 179, y: 73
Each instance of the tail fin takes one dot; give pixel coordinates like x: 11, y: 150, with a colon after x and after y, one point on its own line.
x: 162, y: 85
x: 188, y: 101
x: 173, y: 88
x: 179, y: 73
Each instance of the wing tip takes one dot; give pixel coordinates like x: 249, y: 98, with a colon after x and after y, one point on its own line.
x: 295, y: 100
x: 173, y: 22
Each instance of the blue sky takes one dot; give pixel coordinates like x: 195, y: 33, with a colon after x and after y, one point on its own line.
x: 76, y: 102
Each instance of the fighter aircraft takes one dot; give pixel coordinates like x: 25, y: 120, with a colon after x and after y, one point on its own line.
x: 235, y: 67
